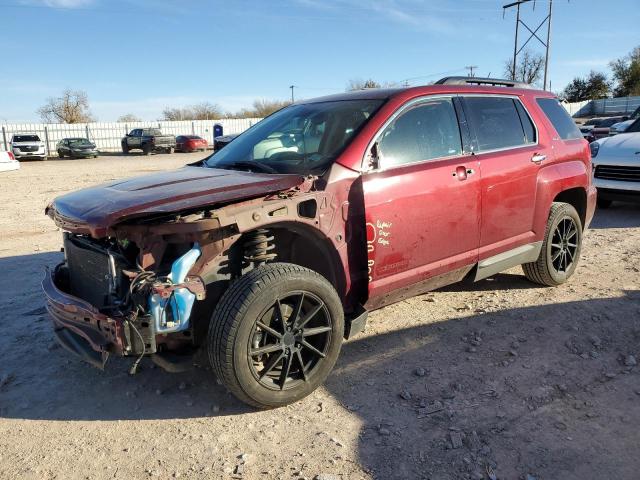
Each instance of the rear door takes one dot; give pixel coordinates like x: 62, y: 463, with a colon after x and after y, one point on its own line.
x: 421, y: 203
x: 507, y: 145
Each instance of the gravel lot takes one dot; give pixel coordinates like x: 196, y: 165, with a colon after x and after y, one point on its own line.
x: 499, y: 379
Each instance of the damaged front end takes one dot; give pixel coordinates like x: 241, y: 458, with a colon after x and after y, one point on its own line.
x: 102, y: 300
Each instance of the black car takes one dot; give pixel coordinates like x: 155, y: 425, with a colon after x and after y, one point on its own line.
x: 77, y: 148
x: 223, y: 141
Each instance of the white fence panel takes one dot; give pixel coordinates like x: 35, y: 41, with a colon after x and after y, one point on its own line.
x: 107, y: 136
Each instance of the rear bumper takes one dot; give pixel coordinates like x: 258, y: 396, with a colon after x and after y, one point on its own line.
x: 80, y: 327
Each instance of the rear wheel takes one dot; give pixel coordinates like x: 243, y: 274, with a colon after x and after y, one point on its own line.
x: 276, y: 334
x: 561, y: 247
x: 604, y: 203
x: 125, y: 148
x: 146, y: 149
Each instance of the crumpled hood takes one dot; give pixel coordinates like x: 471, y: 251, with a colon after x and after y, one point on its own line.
x: 97, y: 208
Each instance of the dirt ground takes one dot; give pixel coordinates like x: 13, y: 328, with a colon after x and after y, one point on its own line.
x: 499, y: 379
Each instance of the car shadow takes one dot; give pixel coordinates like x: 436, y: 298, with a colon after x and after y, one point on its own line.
x: 618, y: 215
x: 420, y: 392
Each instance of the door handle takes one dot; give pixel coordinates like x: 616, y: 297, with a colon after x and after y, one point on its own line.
x: 463, y: 172
x: 538, y: 158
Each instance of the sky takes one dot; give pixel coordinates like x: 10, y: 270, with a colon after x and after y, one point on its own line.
x: 140, y: 56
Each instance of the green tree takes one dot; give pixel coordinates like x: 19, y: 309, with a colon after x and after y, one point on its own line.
x: 626, y: 72
x: 594, y: 86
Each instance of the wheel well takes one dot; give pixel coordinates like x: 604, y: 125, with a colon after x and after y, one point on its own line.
x: 577, y: 197
x: 306, y: 247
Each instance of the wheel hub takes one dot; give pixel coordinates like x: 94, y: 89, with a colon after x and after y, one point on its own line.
x: 288, y: 339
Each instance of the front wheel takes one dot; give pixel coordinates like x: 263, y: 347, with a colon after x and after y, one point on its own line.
x: 275, y: 335
x: 561, y: 247
x: 125, y: 148
x: 60, y: 154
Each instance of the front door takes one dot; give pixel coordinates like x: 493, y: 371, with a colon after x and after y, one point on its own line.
x: 422, y: 203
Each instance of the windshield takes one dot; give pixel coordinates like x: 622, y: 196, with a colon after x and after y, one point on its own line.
x: 301, y: 139
x: 79, y: 141
x: 26, y: 138
x: 634, y: 127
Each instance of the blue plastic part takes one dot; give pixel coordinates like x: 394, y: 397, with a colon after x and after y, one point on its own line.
x: 182, y: 300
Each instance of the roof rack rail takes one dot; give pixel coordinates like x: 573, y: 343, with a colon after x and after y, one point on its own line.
x: 498, y: 82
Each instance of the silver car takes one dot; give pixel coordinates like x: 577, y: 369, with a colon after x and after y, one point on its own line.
x: 616, y: 164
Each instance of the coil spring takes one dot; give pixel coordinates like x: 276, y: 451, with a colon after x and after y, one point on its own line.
x: 258, y: 246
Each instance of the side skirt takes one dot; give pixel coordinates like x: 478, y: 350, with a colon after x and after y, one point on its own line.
x: 505, y: 260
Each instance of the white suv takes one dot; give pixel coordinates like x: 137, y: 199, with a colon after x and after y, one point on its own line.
x: 28, y: 145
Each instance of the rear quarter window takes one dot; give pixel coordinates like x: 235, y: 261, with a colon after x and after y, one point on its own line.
x: 559, y: 118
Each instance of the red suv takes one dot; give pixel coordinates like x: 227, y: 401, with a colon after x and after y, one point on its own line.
x: 269, y: 252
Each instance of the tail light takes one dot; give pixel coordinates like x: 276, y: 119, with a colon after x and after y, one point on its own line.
x: 11, y: 156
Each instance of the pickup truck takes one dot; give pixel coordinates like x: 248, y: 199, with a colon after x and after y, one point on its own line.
x: 266, y: 254
x: 148, y: 140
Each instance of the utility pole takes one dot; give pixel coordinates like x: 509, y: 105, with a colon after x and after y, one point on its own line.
x: 533, y: 34
x: 471, y: 68
x: 292, y: 87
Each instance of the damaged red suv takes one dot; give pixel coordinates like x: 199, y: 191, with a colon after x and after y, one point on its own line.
x: 268, y: 253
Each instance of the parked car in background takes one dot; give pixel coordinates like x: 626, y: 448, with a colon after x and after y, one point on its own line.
x: 602, y: 128
x: 148, y: 140
x: 8, y: 162
x: 28, y: 146
x: 622, y: 126
x: 190, y: 143
x: 76, y: 148
x: 223, y: 141
x: 616, y: 162
x: 272, y: 250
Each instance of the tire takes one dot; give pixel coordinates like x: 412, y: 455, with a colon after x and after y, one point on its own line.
x: 125, y: 149
x: 604, y: 203
x: 60, y: 154
x: 146, y: 150
x: 169, y: 150
x: 560, y: 252
x: 246, y: 318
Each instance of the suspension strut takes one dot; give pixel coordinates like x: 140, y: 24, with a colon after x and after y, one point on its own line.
x: 259, y: 246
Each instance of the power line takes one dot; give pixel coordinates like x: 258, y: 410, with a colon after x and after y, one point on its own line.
x: 532, y: 34
x: 471, y: 68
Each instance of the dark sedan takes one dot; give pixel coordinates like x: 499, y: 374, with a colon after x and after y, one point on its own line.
x: 76, y: 148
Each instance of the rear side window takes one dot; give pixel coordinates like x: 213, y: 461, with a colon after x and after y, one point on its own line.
x: 559, y: 118
x: 426, y: 131
x: 498, y: 123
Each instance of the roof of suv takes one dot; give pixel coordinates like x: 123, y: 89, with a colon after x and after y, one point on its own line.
x: 387, y: 93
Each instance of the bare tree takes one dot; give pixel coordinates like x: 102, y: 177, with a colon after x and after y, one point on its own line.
x: 174, y: 114
x: 260, y: 109
x: 206, y: 111
x: 529, y: 67
x: 359, y: 84
x: 129, y: 118
x: 71, y: 107
x: 199, y: 111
